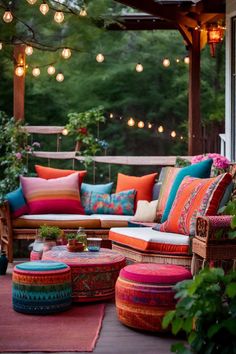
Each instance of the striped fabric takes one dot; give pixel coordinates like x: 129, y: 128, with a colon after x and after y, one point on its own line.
x: 195, y: 197
x: 52, y: 196
x: 41, y: 287
x: 144, y: 293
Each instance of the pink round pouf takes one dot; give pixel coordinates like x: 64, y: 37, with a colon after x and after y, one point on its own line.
x: 144, y: 293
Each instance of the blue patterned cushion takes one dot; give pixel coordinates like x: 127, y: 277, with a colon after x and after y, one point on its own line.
x: 121, y: 203
x: 97, y: 188
x: 17, y: 203
x: 198, y: 170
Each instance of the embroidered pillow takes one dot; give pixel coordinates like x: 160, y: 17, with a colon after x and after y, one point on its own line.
x: 118, y: 203
x: 198, y: 170
x: 49, y: 172
x: 146, y: 211
x: 97, y: 188
x: 195, y: 197
x: 53, y: 196
x: 143, y: 185
x: 167, y: 178
x: 17, y: 203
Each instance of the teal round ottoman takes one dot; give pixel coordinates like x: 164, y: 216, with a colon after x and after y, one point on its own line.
x: 41, y: 287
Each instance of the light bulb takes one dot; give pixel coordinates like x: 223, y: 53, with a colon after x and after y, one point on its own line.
x: 139, y: 68
x: 59, y: 16
x: 31, y: 2
x: 36, y: 72
x: 186, y: 59
x: 83, y: 12
x: 181, y: 138
x: 173, y: 134
x: 177, y: 60
x: 111, y: 115
x: 100, y: 58
x: 149, y: 125
x: 131, y: 122
x: 65, y: 131
x: 19, y: 71
x: 0, y: 45
x: 66, y: 53
x: 44, y: 8
x: 29, y: 50
x: 141, y: 124
x: 60, y: 77
x: 160, y: 129
x: 166, y: 62
x: 7, y: 17
x: 51, y: 70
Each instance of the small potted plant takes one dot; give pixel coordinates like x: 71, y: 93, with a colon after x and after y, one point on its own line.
x: 73, y: 244
x: 50, y: 235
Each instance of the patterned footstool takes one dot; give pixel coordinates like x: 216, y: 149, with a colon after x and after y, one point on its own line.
x: 144, y: 293
x: 41, y: 287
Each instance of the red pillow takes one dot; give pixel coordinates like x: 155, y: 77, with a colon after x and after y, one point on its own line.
x: 143, y: 185
x: 49, y: 172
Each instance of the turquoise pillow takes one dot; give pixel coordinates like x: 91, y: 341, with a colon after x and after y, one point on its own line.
x: 17, y: 203
x: 121, y: 203
x: 97, y: 188
x: 198, y: 170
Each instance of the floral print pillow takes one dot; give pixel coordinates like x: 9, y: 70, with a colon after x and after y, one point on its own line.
x: 121, y: 203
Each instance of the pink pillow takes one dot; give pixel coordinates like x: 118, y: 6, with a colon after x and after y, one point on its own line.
x: 57, y: 195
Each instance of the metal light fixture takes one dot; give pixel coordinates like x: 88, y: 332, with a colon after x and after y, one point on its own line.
x: 59, y: 17
x: 7, y: 16
x: 215, y: 34
x: 66, y: 53
x: 100, y: 58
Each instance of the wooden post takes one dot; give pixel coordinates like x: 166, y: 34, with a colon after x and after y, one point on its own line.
x: 195, y: 142
x: 19, y: 84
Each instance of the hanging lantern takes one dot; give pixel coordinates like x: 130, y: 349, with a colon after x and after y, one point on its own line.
x: 19, y: 70
x: 60, y: 77
x: 44, y: 8
x: 166, y: 62
x: 100, y: 58
x: 7, y: 17
x: 139, y: 68
x: 51, y: 70
x: 36, y: 72
x: 215, y: 34
x: 160, y: 129
x: 29, y: 50
x: 173, y: 134
x: 131, y: 122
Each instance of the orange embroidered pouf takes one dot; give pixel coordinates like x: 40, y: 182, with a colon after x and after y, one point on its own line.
x: 144, y: 293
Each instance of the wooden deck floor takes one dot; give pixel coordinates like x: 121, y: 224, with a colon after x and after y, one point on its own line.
x: 116, y: 338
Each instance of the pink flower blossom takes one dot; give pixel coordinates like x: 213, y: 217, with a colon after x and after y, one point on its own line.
x: 219, y: 161
x: 18, y: 155
x: 36, y: 144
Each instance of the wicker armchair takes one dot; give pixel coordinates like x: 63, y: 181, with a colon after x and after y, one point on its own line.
x: 211, y: 242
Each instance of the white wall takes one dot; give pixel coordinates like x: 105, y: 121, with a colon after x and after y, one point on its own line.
x: 230, y: 12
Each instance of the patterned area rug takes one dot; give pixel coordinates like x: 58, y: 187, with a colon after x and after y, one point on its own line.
x: 74, y: 330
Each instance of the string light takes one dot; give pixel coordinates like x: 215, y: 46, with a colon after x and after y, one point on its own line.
x: 177, y: 60
x: 166, y: 62
x: 100, y: 58
x: 59, y: 17
x: 131, y: 122
x: 141, y: 124
x: 173, y: 134
x: 66, y: 53
x: 0, y: 45
x: 160, y: 129
x: 19, y: 71
x: 83, y: 12
x: 31, y: 2
x: 181, y: 138
x: 29, y: 50
x: 51, y: 70
x: 7, y: 17
x: 111, y: 115
x: 139, y: 68
x: 186, y: 59
x: 36, y: 72
x: 60, y: 77
x: 65, y: 131
x: 149, y: 125
x: 44, y: 8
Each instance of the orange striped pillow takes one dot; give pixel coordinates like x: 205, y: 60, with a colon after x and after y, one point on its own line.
x: 57, y: 195
x: 195, y: 197
x: 167, y: 178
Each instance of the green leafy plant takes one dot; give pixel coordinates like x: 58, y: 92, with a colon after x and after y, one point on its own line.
x: 230, y: 209
x: 70, y: 236
x: 81, y: 127
x: 50, y: 233
x: 206, y: 312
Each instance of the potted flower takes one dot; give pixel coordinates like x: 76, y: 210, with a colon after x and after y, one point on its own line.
x: 74, y: 244
x: 50, y: 235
